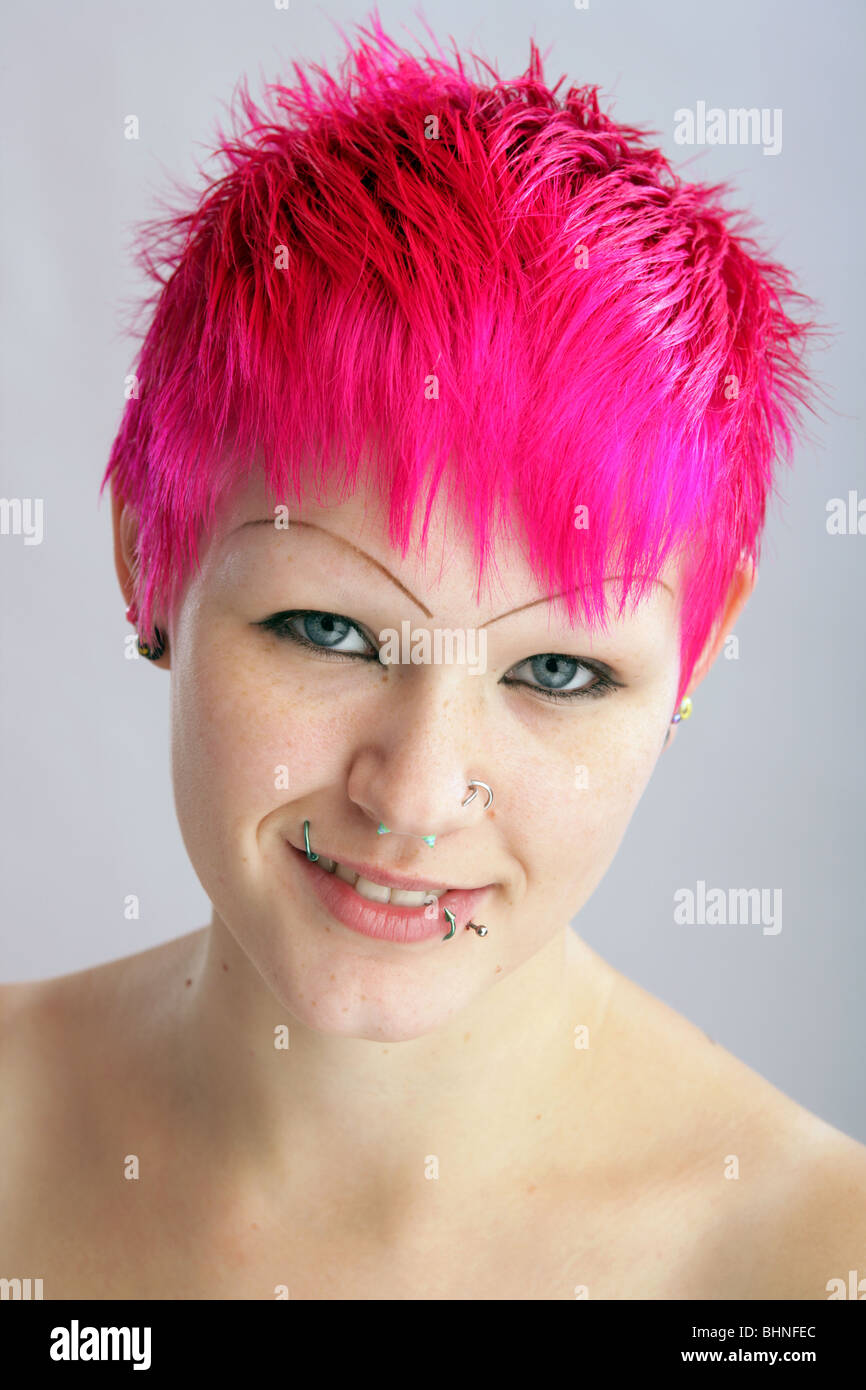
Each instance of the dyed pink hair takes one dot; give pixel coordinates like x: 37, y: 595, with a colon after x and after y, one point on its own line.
x: 601, y: 378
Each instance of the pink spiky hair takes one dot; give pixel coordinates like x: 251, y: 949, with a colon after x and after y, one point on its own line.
x: 596, y: 377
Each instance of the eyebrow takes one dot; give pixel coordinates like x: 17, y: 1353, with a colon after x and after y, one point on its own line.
x: 311, y: 525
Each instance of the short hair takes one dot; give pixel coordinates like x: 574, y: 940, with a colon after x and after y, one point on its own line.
x: 405, y: 277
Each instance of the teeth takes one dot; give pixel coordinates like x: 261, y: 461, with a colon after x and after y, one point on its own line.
x: 378, y: 892
x: 402, y: 897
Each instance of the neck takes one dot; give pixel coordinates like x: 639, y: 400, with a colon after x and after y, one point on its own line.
x: 482, y: 1095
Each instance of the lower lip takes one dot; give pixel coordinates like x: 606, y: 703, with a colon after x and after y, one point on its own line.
x: 383, y: 920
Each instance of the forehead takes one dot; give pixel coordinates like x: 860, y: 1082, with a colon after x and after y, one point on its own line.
x: 348, y: 537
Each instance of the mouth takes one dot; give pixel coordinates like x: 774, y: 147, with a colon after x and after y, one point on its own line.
x: 394, y: 907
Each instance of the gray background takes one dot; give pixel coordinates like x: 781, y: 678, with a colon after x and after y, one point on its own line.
x: 764, y: 786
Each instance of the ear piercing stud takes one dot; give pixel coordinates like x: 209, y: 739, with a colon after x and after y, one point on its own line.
x: 152, y: 650
x: 684, y: 711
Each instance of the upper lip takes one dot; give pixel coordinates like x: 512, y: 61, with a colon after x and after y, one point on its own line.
x: 376, y: 873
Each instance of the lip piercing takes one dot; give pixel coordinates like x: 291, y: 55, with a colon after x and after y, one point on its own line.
x: 472, y: 795
x: 452, y: 922
x: 312, y: 857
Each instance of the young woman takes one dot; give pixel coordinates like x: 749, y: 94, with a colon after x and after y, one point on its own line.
x: 440, y: 484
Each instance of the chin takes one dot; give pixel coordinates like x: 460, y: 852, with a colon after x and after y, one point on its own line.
x: 382, y: 1001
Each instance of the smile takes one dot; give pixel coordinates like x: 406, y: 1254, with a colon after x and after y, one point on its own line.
x: 380, y: 892
x: 376, y: 902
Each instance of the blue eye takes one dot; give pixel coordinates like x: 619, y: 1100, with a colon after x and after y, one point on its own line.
x: 561, y: 677
x: 321, y: 631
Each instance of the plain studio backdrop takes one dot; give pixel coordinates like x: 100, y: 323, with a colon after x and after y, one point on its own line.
x: 764, y: 786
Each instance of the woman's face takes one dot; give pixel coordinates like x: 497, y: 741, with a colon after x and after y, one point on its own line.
x: 282, y: 712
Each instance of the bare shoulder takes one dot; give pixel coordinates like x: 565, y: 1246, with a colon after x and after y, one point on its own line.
x: 36, y: 1009
x: 760, y: 1197
x: 62, y: 1039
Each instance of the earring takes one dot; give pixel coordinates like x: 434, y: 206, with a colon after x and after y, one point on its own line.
x: 684, y: 711
x: 152, y: 650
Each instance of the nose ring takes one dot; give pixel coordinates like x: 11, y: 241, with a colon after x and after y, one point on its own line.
x: 472, y: 795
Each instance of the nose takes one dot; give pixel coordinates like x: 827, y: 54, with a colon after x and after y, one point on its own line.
x: 412, y: 773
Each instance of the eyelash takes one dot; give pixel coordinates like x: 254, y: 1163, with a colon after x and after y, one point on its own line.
x: 278, y: 625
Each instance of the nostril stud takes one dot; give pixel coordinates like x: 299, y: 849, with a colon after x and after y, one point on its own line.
x: 383, y: 829
x: 429, y: 840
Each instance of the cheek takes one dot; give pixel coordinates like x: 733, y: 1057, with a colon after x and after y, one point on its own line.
x: 245, y: 742
x: 581, y: 802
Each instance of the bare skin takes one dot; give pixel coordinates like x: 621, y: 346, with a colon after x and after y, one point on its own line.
x: 619, y: 1193
x: 432, y: 1131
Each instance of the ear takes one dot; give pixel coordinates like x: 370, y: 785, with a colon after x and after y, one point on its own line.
x: 125, y: 527
x: 741, y: 587
x: 740, y: 590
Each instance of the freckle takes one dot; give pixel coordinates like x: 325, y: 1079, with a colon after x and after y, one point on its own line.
x: 538, y: 1117
x: 363, y: 996
x: 346, y: 1009
x: 254, y: 1227
x: 187, y: 983
x: 225, y: 967
x: 313, y: 1002
x: 333, y: 977
x: 384, y: 1049
x: 531, y: 1187
x: 466, y: 1037
x: 497, y: 970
